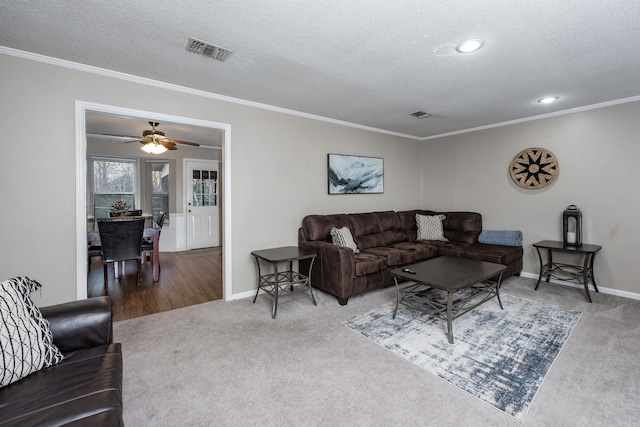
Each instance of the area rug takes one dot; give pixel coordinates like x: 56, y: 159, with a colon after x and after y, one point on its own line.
x: 499, y: 356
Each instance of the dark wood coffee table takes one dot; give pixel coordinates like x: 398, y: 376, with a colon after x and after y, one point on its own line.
x: 451, y: 275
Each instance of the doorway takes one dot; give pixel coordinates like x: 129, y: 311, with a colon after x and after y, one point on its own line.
x: 82, y: 108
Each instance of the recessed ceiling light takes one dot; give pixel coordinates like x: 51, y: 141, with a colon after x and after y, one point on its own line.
x: 470, y: 45
x: 548, y: 99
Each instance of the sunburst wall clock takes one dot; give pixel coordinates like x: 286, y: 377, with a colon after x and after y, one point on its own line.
x: 534, y: 168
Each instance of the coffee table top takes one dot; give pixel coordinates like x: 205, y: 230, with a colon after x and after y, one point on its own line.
x: 450, y: 273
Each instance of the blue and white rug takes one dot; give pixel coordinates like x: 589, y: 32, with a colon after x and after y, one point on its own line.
x: 499, y: 356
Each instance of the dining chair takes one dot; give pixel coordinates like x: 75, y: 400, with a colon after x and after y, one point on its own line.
x: 93, y: 250
x: 147, y: 244
x: 121, y: 240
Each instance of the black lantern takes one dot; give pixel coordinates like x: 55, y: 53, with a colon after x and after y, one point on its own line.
x: 572, y: 226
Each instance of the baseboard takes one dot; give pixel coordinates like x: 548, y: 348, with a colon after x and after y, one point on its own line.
x: 610, y: 291
x: 603, y: 290
x: 247, y: 294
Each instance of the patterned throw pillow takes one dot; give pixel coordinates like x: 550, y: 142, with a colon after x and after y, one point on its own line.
x: 430, y: 227
x: 343, y: 237
x: 26, y: 342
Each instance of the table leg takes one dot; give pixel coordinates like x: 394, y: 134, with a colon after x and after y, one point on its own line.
x: 291, y: 275
x: 498, y: 284
x: 156, y: 256
x: 449, y: 315
x: 585, y: 276
x: 593, y: 276
x: 309, y: 281
x: 259, y: 279
x: 541, y: 268
x: 549, y: 264
x: 395, y: 279
x: 276, y: 288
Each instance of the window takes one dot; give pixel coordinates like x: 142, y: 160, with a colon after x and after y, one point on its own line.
x: 159, y: 188
x: 113, y: 180
x: 205, y: 188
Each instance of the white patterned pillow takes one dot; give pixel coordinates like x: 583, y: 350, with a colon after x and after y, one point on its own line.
x: 430, y: 227
x: 343, y: 237
x: 26, y: 342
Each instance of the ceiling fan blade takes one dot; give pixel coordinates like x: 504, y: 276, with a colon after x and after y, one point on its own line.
x: 177, y: 141
x: 122, y: 136
x: 168, y: 145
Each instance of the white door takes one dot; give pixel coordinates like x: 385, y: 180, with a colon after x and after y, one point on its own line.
x: 203, y: 207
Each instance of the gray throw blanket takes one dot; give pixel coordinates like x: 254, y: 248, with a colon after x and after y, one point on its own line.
x: 501, y: 237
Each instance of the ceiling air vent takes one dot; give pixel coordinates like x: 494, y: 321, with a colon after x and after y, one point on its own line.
x: 208, y: 49
x: 420, y: 114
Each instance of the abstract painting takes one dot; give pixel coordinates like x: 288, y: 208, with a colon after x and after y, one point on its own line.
x: 355, y: 174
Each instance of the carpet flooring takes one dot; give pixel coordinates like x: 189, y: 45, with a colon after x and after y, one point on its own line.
x: 229, y: 364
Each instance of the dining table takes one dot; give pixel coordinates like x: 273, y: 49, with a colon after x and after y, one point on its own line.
x: 93, y: 238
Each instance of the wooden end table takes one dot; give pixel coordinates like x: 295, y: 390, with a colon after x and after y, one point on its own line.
x: 277, y: 283
x: 582, y: 274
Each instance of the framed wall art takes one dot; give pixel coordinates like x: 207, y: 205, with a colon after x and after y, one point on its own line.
x: 355, y: 174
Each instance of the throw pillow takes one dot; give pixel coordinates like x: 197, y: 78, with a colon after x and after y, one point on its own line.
x: 430, y: 227
x: 26, y: 342
x: 343, y: 237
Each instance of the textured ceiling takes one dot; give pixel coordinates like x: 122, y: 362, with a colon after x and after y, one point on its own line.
x: 371, y: 63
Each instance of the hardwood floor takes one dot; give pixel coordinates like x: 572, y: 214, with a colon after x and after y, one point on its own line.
x: 186, y: 278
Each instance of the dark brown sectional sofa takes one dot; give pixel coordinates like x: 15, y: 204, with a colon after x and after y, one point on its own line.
x: 387, y: 240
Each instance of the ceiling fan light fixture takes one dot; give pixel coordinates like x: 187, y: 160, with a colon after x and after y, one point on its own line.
x: 153, y: 148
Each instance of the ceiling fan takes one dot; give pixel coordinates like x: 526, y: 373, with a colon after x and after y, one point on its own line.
x: 154, y: 141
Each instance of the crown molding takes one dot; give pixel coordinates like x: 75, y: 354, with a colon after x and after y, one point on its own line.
x: 197, y: 92
x: 539, y: 117
x: 183, y: 89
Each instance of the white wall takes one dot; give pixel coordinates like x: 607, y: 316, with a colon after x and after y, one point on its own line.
x: 597, y: 151
x: 279, y: 169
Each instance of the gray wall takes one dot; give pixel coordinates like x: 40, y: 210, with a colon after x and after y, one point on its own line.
x: 597, y: 152
x: 278, y: 169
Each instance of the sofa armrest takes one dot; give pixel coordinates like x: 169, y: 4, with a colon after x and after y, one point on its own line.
x: 80, y: 324
x: 334, y: 268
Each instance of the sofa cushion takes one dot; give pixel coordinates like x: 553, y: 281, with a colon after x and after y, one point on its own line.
x: 462, y: 227
x: 367, y: 263
x: 419, y: 251
x: 85, y: 388
x: 430, y: 227
x: 393, y: 256
x: 366, y: 230
x: 26, y: 342
x: 391, y: 227
x: 342, y: 237
x: 318, y: 227
x: 493, y: 253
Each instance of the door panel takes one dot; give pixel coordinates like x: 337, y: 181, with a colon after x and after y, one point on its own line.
x: 203, y: 210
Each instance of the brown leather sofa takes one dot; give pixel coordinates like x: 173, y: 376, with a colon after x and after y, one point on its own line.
x: 85, y: 389
x: 387, y: 240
